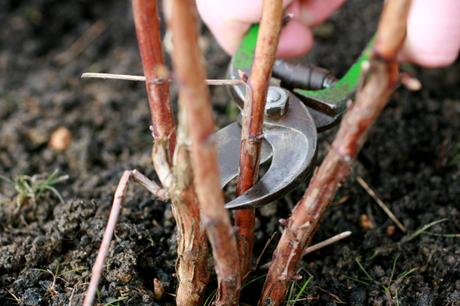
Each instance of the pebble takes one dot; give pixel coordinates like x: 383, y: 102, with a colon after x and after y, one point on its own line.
x: 366, y: 223
x: 158, y: 289
x: 60, y: 139
x: 391, y: 229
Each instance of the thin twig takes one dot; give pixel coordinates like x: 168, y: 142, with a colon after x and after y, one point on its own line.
x: 108, y: 234
x: 265, y: 248
x: 141, y: 78
x: 318, y: 246
x: 160, y: 193
x: 379, y: 83
x: 114, y: 76
x: 117, y: 204
x: 252, y: 126
x: 326, y: 242
x: 93, y: 32
x: 380, y: 203
x: 15, y: 297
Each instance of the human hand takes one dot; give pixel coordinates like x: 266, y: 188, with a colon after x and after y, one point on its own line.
x: 433, y: 33
x: 433, y: 30
x: 230, y: 19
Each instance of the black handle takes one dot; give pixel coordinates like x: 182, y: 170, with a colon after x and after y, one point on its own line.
x: 301, y: 76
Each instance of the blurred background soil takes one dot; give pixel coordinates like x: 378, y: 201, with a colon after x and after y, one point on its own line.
x: 91, y: 130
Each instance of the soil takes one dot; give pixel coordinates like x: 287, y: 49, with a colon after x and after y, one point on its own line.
x: 47, y: 246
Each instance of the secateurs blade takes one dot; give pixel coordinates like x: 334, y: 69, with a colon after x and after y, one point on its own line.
x: 306, y: 99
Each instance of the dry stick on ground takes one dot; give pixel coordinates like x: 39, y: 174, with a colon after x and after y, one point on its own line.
x: 380, y: 203
x: 194, y: 100
x: 148, y: 34
x: 380, y: 82
x: 326, y: 242
x: 93, y: 32
x: 252, y: 126
x: 118, y: 200
x: 318, y: 246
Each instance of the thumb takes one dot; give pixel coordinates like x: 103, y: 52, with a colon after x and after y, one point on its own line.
x: 433, y: 33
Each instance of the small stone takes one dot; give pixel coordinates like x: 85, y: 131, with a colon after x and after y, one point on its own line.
x: 158, y: 289
x: 60, y: 139
x: 38, y: 136
x: 366, y: 223
x: 450, y: 260
x: 391, y: 229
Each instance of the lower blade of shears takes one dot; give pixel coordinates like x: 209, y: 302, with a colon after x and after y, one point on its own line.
x: 280, y: 177
x: 228, y: 146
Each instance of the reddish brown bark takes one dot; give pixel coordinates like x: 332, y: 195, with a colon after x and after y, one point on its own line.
x: 381, y: 80
x: 194, y: 101
x: 252, y: 127
x: 148, y: 35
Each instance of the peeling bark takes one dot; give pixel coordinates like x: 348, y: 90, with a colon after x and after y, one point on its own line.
x: 192, y: 245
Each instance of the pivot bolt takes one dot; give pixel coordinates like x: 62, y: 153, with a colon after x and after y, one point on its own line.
x: 276, y: 101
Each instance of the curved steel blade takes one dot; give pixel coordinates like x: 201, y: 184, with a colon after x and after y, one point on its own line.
x: 228, y: 146
x: 293, y: 139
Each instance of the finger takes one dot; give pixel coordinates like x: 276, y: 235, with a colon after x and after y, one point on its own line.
x: 237, y: 10
x: 229, y: 20
x: 433, y: 33
x: 313, y: 12
x: 229, y: 34
x: 295, y: 40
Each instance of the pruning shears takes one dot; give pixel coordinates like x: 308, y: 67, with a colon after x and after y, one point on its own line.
x: 304, y: 101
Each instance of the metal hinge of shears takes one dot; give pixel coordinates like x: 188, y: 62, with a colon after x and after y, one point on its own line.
x: 306, y: 99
